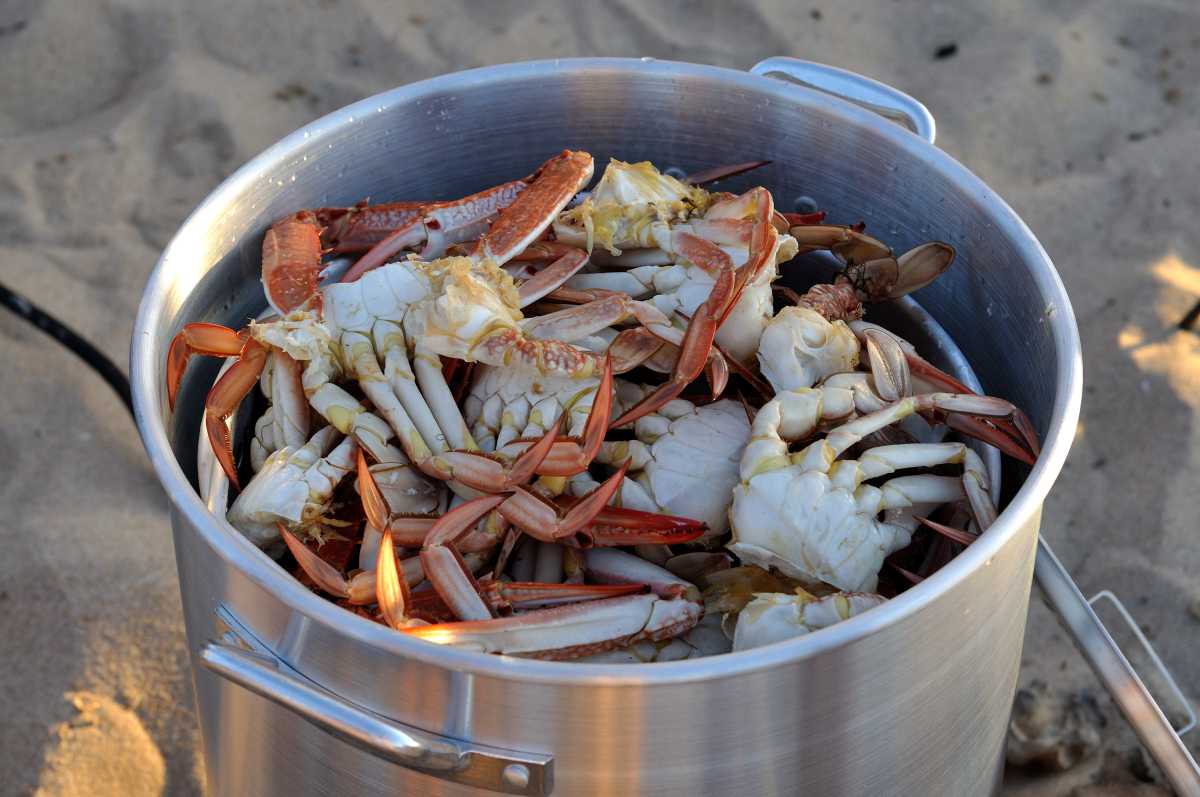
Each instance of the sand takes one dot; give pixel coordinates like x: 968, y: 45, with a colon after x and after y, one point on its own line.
x: 116, y: 118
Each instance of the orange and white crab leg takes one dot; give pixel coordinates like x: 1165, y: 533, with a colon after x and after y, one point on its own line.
x: 523, y: 221
x: 580, y: 629
x: 552, y: 276
x: 439, y: 225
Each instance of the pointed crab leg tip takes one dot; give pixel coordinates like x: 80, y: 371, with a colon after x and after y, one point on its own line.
x: 391, y: 591
x: 949, y: 532
x: 323, y: 574
x: 723, y: 172
x: 991, y: 433
x: 911, y: 577
x: 222, y: 446
x: 374, y: 504
x: 526, y: 465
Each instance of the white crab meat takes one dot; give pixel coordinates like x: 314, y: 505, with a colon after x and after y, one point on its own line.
x: 774, y: 617
x: 684, y: 461
x: 799, y: 348
x: 813, y: 516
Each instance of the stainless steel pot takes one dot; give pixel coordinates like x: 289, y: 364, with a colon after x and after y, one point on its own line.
x: 297, y: 696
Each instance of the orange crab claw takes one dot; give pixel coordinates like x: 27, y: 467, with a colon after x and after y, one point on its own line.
x: 445, y: 568
x: 693, y: 353
x: 199, y: 338
x: 614, y: 526
x: 542, y: 520
x: 224, y: 399
x: 489, y: 474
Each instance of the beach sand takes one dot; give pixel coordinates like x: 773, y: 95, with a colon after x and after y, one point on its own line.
x: 116, y: 118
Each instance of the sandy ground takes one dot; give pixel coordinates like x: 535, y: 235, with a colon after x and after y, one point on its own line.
x: 116, y: 118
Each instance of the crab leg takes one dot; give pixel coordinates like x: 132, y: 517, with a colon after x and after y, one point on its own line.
x: 444, y: 566
x: 523, y: 221
x: 356, y: 229
x: 552, y: 276
x: 439, y: 225
x: 581, y: 629
x: 544, y: 521
x: 958, y: 410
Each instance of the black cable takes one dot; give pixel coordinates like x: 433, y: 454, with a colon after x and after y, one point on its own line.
x: 95, y: 359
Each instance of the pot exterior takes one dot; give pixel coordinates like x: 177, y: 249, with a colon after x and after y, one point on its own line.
x: 910, y: 698
x: 920, y: 707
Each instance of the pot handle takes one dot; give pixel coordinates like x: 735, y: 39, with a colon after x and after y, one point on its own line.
x: 1116, y: 673
x: 890, y: 103
x: 442, y: 757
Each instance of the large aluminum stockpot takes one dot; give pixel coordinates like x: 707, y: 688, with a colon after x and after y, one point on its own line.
x: 297, y: 696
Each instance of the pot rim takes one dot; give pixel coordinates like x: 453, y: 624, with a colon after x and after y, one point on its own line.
x: 172, y: 280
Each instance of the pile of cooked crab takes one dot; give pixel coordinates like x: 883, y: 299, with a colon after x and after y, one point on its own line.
x: 547, y: 421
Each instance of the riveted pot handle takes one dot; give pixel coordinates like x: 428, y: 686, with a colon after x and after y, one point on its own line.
x: 442, y: 757
x: 890, y: 103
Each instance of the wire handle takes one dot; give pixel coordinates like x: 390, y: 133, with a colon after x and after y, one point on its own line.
x: 888, y: 102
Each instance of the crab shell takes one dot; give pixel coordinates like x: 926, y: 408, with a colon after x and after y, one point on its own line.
x: 774, y: 617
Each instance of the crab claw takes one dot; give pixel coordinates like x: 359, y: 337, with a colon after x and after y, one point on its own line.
x: 693, y: 352
x: 224, y: 399
x: 489, y: 474
x: 614, y: 526
x: 445, y: 568
x: 992, y: 420
x: 542, y: 520
x: 198, y: 338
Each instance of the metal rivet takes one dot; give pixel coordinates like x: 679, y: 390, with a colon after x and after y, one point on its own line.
x: 516, y: 775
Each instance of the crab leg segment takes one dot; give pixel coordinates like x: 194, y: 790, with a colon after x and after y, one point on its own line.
x: 615, y: 526
x: 963, y: 412
x: 356, y: 229
x: 565, y: 632
x: 552, y: 276
x: 505, y: 596
x: 485, y: 473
